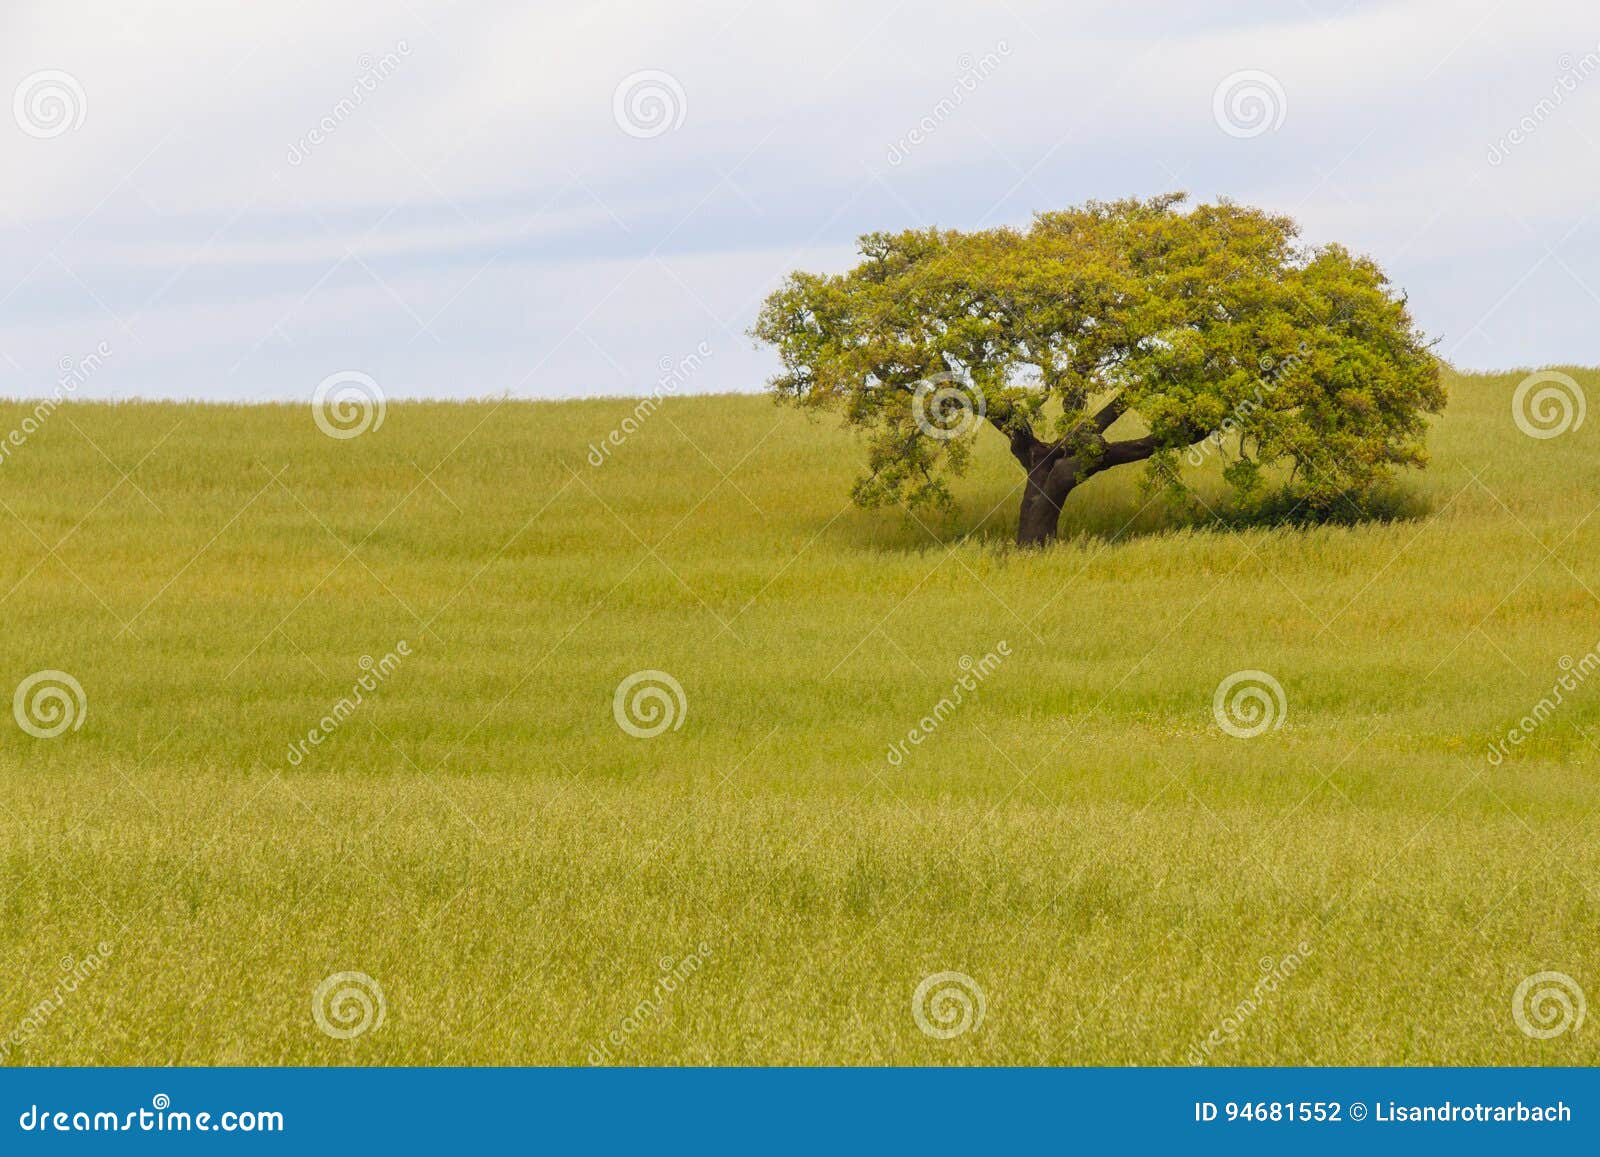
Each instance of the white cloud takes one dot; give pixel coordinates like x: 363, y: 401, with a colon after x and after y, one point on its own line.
x: 483, y: 187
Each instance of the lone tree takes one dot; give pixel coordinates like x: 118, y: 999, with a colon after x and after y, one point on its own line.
x: 1200, y: 332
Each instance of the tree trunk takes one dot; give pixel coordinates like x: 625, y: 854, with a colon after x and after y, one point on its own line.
x: 1050, y: 480
x: 1053, y: 473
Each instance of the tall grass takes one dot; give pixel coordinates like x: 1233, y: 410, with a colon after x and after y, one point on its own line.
x: 1115, y: 873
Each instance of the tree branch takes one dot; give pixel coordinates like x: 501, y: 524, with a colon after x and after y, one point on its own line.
x: 1108, y: 414
x: 1025, y: 446
x: 1133, y: 449
x: 1128, y: 450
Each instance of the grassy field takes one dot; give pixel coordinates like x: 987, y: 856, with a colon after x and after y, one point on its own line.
x: 526, y: 881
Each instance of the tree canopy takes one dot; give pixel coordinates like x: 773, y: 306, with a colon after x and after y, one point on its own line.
x: 1198, y: 332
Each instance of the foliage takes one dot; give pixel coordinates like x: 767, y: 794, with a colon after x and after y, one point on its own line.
x: 1211, y: 324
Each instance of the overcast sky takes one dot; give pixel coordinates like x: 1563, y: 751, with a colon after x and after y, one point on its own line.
x: 236, y: 200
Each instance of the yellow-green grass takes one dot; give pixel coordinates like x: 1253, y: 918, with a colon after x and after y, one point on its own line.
x: 1080, y: 837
